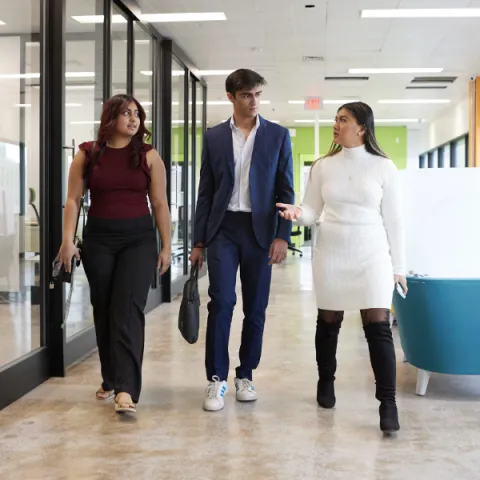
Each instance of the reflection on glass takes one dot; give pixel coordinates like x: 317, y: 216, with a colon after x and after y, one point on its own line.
x: 177, y: 184
x: 119, y: 54
x: 20, y: 212
x: 83, y: 98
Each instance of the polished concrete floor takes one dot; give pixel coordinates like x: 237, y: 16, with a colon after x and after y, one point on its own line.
x: 59, y: 431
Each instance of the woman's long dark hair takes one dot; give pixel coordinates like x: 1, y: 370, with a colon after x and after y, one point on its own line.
x: 363, y: 115
x: 111, y: 110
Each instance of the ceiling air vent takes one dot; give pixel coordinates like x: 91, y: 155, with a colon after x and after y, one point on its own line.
x: 308, y: 58
x: 349, y: 78
x: 434, y: 79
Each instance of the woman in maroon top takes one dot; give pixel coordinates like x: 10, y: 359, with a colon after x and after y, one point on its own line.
x: 119, y: 245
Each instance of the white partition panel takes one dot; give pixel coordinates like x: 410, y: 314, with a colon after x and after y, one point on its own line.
x: 442, y: 221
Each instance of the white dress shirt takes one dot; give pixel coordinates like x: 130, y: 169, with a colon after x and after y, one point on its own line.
x: 242, y: 155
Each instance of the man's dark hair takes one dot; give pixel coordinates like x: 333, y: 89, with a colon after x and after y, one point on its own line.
x: 243, y: 79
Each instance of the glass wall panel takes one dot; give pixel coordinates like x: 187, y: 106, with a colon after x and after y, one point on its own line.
x: 119, y: 52
x: 20, y: 210
x: 143, y: 72
x: 84, y: 97
x: 177, y: 183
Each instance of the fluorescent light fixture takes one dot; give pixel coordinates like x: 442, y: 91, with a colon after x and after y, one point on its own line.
x: 213, y: 73
x: 227, y: 102
x: 79, y: 74
x: 2, y: 23
x: 98, y: 18
x: 147, y: 73
x: 398, y: 120
x: 23, y: 105
x: 14, y: 76
x: 178, y: 73
x: 32, y: 44
x: 146, y: 104
x: 323, y: 120
x: 422, y: 13
x: 87, y: 122
x: 415, y: 101
x: 378, y: 120
x: 183, y: 17
x: 339, y: 102
x: 274, y: 121
x: 356, y: 71
x: 80, y: 87
x: 73, y: 105
x: 325, y: 102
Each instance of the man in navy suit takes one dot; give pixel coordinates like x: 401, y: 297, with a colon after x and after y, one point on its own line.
x: 246, y: 170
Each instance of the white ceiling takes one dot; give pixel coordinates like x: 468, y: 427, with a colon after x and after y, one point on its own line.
x: 285, y: 31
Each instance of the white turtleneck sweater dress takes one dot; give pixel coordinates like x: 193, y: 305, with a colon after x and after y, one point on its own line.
x: 360, y: 244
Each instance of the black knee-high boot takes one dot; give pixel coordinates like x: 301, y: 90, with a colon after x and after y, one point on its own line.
x: 326, y: 340
x: 382, y: 358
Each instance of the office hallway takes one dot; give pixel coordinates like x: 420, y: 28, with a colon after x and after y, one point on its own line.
x: 60, y: 431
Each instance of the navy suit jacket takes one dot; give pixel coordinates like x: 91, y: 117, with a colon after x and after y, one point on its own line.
x: 271, y: 181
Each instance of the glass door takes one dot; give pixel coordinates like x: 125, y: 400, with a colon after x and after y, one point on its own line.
x: 22, y: 310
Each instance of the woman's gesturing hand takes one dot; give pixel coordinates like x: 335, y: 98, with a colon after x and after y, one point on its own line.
x: 289, y: 212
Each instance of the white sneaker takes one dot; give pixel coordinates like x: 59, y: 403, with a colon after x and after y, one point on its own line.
x: 215, y: 393
x: 245, y: 390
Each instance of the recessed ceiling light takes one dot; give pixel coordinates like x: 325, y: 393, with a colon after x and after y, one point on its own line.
x: 208, y: 73
x: 80, y: 87
x: 393, y: 70
x: 379, y: 120
x: 274, y: 121
x: 14, y: 76
x: 183, y: 17
x: 146, y: 104
x: 98, y: 18
x: 73, y: 105
x: 147, y: 73
x: 227, y: 102
x: 422, y: 13
x: 413, y: 101
x: 178, y: 73
x: 79, y: 74
x: 23, y: 105
x: 339, y: 102
x: 325, y: 102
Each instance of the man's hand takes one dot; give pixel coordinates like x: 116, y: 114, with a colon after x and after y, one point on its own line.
x: 197, y: 256
x: 278, y: 251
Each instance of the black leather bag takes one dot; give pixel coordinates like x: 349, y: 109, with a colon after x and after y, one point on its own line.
x: 189, y: 314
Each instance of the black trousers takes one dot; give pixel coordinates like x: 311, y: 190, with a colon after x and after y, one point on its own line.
x: 119, y: 257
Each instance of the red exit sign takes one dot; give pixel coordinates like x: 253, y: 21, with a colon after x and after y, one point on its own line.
x: 313, y: 103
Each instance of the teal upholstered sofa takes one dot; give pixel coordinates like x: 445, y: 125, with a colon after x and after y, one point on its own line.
x: 439, y: 326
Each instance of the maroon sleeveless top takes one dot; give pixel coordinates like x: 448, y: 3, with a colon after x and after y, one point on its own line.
x: 117, y: 190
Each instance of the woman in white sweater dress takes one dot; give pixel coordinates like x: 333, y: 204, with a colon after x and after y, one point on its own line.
x: 359, y: 253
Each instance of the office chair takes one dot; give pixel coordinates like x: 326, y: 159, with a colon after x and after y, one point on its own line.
x: 291, y: 247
